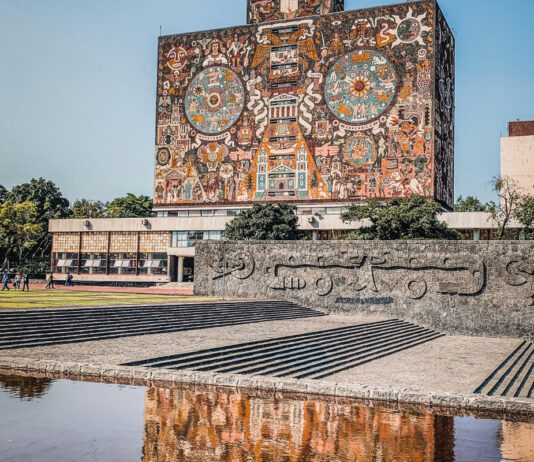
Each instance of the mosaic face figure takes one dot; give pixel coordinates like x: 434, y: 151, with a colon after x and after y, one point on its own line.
x: 360, y: 86
x: 214, y: 100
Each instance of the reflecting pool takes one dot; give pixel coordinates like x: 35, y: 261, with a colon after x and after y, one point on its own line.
x: 60, y: 420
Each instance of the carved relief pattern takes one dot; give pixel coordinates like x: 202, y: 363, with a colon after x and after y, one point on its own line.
x: 520, y: 273
x: 361, y: 274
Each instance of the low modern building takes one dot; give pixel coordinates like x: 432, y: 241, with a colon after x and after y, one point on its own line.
x: 162, y: 249
x: 517, y: 155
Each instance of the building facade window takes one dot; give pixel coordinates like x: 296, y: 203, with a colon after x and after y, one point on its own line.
x: 64, y: 262
x: 122, y: 263
x: 93, y: 263
x: 153, y: 263
x: 188, y: 238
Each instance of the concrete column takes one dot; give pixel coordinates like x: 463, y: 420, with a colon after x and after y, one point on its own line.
x: 315, y: 235
x: 476, y: 235
x: 180, y: 273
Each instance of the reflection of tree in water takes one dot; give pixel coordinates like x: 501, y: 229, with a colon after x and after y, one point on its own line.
x: 233, y: 427
x: 25, y: 387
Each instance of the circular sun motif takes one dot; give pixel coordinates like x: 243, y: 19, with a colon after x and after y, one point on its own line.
x: 360, y: 86
x: 214, y: 100
x: 409, y: 30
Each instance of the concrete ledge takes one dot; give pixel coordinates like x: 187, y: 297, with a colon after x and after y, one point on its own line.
x: 442, y: 403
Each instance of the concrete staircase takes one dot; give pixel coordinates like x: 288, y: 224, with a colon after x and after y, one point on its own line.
x: 514, y: 378
x: 52, y: 327
x: 313, y: 355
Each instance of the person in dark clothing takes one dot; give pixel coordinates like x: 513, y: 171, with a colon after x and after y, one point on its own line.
x: 50, y: 280
x: 26, y: 282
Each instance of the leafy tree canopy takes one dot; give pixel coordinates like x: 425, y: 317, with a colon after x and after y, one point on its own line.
x: 85, y: 208
x: 45, y: 195
x: 469, y: 204
x: 3, y: 194
x: 412, y: 217
x: 20, y: 229
x: 265, y: 222
x: 130, y: 206
x: 524, y: 213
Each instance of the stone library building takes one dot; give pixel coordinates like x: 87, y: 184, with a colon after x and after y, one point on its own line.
x: 306, y: 104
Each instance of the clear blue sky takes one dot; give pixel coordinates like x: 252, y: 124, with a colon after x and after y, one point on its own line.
x: 78, y: 83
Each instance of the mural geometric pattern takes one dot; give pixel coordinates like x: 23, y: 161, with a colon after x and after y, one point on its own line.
x: 360, y: 86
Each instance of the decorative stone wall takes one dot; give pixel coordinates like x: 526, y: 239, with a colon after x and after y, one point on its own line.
x: 457, y: 287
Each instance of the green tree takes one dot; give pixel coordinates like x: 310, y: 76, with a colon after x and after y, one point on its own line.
x: 265, y: 222
x: 413, y: 217
x: 50, y: 203
x: 85, y: 208
x: 469, y: 204
x: 524, y: 213
x: 130, y: 206
x: 20, y: 228
x: 509, y: 195
x: 3, y: 194
x: 45, y: 195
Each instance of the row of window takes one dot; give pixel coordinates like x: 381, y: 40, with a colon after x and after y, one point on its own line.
x: 119, y: 263
x: 188, y: 238
x: 200, y: 213
x: 234, y: 212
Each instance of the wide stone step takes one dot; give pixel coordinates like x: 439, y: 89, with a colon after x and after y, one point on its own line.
x: 102, y: 323
x: 515, y: 375
x: 258, y: 354
x: 310, y: 355
x: 164, y: 361
x: 21, y: 319
x: 274, y: 364
x: 75, y: 327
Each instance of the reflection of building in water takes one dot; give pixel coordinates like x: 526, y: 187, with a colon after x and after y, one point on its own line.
x: 217, y: 426
x: 517, y: 441
x: 25, y: 387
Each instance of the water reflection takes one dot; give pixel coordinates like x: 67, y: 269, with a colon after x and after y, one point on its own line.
x: 94, y: 421
x: 517, y: 441
x: 26, y: 388
x: 226, y: 426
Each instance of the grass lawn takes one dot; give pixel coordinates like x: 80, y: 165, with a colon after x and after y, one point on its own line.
x: 63, y: 298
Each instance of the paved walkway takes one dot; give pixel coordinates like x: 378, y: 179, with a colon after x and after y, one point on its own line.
x: 449, y: 364
x: 123, y: 290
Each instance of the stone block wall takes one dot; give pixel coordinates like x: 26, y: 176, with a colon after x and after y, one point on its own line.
x: 456, y: 287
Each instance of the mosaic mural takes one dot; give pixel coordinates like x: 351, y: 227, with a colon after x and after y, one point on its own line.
x: 340, y: 107
x: 275, y: 10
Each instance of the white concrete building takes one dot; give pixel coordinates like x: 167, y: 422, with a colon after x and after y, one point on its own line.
x: 517, y: 155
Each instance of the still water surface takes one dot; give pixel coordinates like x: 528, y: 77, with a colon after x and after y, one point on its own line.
x: 58, y: 420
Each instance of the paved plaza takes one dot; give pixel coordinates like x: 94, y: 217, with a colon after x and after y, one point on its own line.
x: 261, y: 337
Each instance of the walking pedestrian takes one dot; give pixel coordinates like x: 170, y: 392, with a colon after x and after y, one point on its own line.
x: 18, y: 278
x: 50, y: 280
x: 5, y: 281
x: 68, y: 281
x: 26, y: 282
